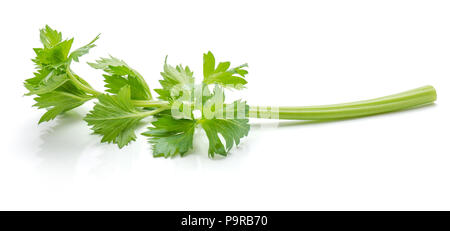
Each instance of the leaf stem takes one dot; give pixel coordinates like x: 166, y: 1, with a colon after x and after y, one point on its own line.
x: 405, y: 100
x: 156, y: 111
x: 149, y: 103
x: 80, y: 85
x: 90, y: 90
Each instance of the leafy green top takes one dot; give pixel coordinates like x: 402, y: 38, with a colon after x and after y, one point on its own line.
x: 175, y: 79
x: 115, y: 117
x: 119, y: 112
x: 51, y: 83
x: 120, y: 75
x: 223, y: 74
x: 171, y: 136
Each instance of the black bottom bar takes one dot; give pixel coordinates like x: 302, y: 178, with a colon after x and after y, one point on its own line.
x: 196, y: 221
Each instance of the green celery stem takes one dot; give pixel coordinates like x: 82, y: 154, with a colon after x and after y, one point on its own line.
x: 149, y: 103
x: 405, y: 100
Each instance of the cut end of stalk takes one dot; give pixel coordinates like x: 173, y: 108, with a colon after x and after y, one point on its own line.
x: 432, y: 92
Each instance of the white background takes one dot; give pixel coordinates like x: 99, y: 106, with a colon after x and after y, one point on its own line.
x: 299, y: 52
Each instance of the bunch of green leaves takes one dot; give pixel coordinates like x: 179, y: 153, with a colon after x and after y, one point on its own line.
x: 118, y: 113
x: 115, y: 118
x: 52, y: 84
x: 171, y: 136
x: 119, y: 74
